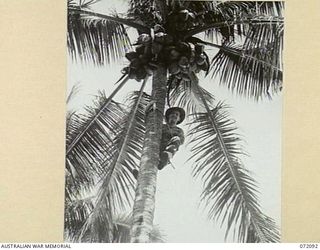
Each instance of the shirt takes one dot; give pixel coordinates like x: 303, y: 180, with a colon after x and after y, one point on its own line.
x: 169, y: 132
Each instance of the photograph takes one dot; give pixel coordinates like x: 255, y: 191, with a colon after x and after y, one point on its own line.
x: 173, y: 121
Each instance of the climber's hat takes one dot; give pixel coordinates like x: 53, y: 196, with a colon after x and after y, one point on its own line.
x: 176, y: 109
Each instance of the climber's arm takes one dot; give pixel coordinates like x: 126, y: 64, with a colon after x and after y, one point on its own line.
x: 181, y: 136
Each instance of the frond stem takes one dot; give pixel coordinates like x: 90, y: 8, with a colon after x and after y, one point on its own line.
x: 243, y: 55
x: 126, y: 136
x: 219, y: 136
x: 230, y: 23
x: 133, y: 114
x: 127, y: 22
x: 107, y: 102
x: 130, y: 122
x: 229, y: 162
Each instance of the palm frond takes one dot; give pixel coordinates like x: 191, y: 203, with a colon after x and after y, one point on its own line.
x: 122, y: 230
x: 244, y: 8
x: 200, y: 6
x: 229, y: 191
x: 185, y: 94
x: 76, y: 213
x: 95, y: 37
x: 229, y: 28
x: 84, y: 4
x: 254, y: 72
x: 266, y: 36
x: 237, y: 17
x: 83, y: 161
x: 224, y: 12
x: 87, y: 138
x: 116, y: 187
x: 74, y: 91
x: 74, y: 140
x: 70, y: 113
x: 273, y: 8
x: 148, y: 12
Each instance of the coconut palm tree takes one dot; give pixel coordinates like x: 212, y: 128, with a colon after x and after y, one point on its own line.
x: 80, y: 223
x: 106, y: 144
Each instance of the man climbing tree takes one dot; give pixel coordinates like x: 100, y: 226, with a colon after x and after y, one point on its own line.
x: 178, y: 43
x: 172, y: 136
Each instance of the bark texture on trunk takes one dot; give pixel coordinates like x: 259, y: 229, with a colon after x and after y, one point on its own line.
x: 144, y: 204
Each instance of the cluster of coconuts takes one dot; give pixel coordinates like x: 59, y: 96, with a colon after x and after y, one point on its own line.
x: 182, y: 19
x: 181, y: 57
x: 183, y: 60
x: 147, y: 13
x: 143, y: 61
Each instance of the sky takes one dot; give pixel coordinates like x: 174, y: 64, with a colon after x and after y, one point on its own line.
x: 177, y: 198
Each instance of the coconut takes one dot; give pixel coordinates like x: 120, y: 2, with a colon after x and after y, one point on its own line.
x: 174, y: 54
x: 181, y: 26
x: 140, y: 49
x: 191, y: 16
x: 184, y: 47
x: 131, y: 55
x: 156, y: 48
x: 178, y: 76
x: 152, y: 65
x: 183, y: 15
x: 193, y: 66
x: 192, y: 56
x: 183, y: 62
x: 148, y: 70
x: 185, y: 77
x: 144, y: 38
x: 132, y: 73
x: 125, y: 70
x: 200, y: 59
x: 168, y: 39
x: 135, y: 63
x: 158, y: 28
x: 185, y: 70
x: 159, y: 37
x: 144, y: 58
x: 204, y: 66
x: 141, y: 74
x: 174, y: 68
x: 147, y: 51
x: 199, y: 49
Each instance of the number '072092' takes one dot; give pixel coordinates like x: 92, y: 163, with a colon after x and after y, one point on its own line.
x: 313, y: 246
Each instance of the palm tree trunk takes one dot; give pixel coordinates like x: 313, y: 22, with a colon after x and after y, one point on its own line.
x: 144, y: 205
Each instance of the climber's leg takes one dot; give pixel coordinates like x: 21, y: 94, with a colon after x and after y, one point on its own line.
x: 167, y: 154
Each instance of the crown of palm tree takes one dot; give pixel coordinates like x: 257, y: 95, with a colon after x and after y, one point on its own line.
x: 106, y: 144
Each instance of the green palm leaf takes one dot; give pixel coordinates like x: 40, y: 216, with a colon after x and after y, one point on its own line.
x: 274, y: 8
x: 185, y: 94
x: 231, y: 20
x: 142, y: 11
x: 82, y: 162
x: 115, y: 192
x: 87, y: 139
x: 241, y: 23
x: 229, y: 191
x: 251, y: 72
x: 76, y: 213
x: 79, y: 210
x: 268, y: 37
x: 95, y: 40
x: 122, y: 230
x: 104, y: 146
